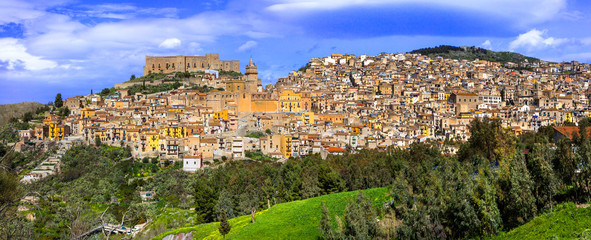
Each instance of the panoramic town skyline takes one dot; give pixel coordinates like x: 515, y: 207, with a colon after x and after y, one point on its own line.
x: 72, y: 47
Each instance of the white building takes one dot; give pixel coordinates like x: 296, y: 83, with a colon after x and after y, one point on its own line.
x: 191, y: 163
x: 237, y: 148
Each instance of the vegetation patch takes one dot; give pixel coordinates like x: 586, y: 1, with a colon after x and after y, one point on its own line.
x: 292, y: 220
x: 566, y: 221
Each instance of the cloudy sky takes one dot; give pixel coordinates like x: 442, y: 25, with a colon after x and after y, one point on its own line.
x: 72, y: 47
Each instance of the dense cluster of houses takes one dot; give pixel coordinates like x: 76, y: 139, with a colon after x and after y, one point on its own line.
x: 336, y: 104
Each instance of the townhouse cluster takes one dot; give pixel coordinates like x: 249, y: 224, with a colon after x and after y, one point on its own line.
x: 335, y: 104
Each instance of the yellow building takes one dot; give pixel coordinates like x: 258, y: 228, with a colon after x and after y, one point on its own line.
x: 217, y: 116
x: 285, y: 145
x: 153, y: 140
x: 425, y: 130
x: 175, y: 132
x: 290, y: 101
x: 56, y: 132
x: 235, y: 85
x: 568, y: 117
x: 308, y: 118
x: 87, y: 112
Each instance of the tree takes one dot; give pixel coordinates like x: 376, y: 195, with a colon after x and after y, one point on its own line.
x: 583, y: 178
x: 132, y: 77
x: 64, y: 111
x: 105, y: 91
x: 269, y: 191
x: 360, y: 219
x: 564, y: 161
x: 268, y: 131
x: 97, y: 141
x: 205, y: 200
x: 326, y: 231
x: 310, y: 182
x: 249, y: 201
x: 58, y: 101
x: 27, y: 117
x: 8, y: 188
x: 224, y: 205
x: 329, y: 180
x: 539, y: 164
x: 224, y: 224
x: 489, y: 139
x: 517, y: 202
x: 485, y: 203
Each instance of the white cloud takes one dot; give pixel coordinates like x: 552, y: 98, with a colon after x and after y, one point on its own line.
x: 535, y: 39
x: 16, y: 54
x: 521, y: 10
x: 486, y: 45
x: 16, y: 11
x: 170, y: 43
x: 247, y: 46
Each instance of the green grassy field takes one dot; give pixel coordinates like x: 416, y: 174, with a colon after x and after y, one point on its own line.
x: 566, y: 221
x: 292, y: 220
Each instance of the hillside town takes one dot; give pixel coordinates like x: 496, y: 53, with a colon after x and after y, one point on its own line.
x: 334, y: 105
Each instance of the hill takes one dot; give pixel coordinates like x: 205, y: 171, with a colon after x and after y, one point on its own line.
x: 472, y: 53
x: 566, y: 221
x: 8, y: 111
x: 291, y: 220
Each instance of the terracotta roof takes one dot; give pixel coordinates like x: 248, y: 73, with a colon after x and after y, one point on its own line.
x: 570, y: 131
x: 335, y: 149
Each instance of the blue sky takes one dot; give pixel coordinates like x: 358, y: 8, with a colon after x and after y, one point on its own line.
x: 72, y: 47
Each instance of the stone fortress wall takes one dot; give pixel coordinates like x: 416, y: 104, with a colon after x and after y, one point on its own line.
x: 169, y: 64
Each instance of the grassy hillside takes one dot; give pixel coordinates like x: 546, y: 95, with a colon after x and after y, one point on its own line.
x: 292, y: 220
x: 17, y: 110
x: 472, y: 53
x: 565, y: 222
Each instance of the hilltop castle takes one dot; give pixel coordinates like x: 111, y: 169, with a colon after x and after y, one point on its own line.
x: 169, y: 64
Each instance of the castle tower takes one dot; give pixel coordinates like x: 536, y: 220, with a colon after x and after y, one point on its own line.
x: 252, y: 80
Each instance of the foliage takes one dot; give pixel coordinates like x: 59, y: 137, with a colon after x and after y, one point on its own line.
x: 58, y: 101
x: 89, y: 176
x: 472, y: 53
x: 224, y: 207
x: 8, y: 187
x: 566, y: 221
x: 292, y: 220
x: 149, y: 77
x: 148, y: 89
x: 257, y: 155
x: 545, y: 182
x: 360, y: 220
x: 204, y: 200
x: 255, y: 134
x: 304, y: 68
x: 230, y: 73
x: 516, y: 201
x: 8, y: 132
x: 224, y: 224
